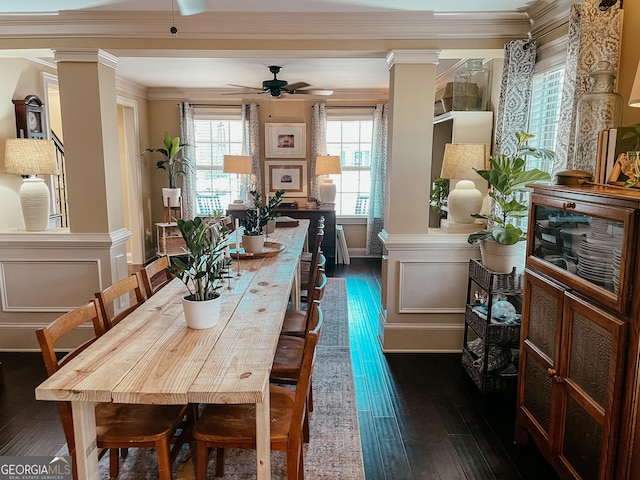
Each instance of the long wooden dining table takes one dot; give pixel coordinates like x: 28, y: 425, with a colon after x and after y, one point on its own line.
x: 151, y: 357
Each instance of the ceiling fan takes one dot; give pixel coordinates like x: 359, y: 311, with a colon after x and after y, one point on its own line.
x: 276, y: 87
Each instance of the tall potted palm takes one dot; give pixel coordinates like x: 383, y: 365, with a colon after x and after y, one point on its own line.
x: 201, y: 269
x: 175, y: 164
x: 507, y: 177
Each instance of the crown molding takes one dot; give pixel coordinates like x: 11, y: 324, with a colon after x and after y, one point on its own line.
x: 232, y: 95
x: 548, y: 13
x: 288, y: 25
x: 86, y: 55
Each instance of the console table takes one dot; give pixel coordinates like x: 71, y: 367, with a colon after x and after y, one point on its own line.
x: 329, y: 241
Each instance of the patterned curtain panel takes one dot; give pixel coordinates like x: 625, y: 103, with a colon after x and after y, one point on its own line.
x: 375, y: 215
x: 251, y: 141
x: 515, y: 94
x: 318, y: 144
x: 594, y: 35
x: 187, y: 135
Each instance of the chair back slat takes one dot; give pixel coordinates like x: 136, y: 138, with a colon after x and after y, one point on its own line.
x: 303, y: 384
x: 130, y: 286
x: 155, y: 275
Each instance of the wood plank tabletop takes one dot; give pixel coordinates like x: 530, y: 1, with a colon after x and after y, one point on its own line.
x: 151, y: 357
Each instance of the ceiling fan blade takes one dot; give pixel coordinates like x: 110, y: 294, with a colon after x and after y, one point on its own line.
x: 296, y: 86
x: 191, y: 7
x: 244, y: 86
x: 313, y: 92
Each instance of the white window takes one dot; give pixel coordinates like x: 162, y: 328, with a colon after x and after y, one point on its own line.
x: 218, y: 132
x: 349, y: 135
x: 546, y: 97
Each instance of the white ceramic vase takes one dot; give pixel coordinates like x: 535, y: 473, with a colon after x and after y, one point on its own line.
x: 463, y: 201
x: 270, y: 227
x: 502, y: 258
x: 203, y: 314
x: 253, y: 243
x: 171, y: 197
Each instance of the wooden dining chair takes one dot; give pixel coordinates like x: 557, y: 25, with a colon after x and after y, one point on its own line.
x: 155, y: 275
x: 119, y: 426
x: 234, y: 426
x: 287, y: 360
x: 296, y: 322
x: 132, y: 288
x: 227, y: 221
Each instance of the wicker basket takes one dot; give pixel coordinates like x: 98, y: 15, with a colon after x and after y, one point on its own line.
x: 495, y: 282
x: 492, y: 333
x: 488, y: 383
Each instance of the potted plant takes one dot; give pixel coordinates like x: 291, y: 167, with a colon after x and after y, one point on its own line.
x: 253, y: 224
x: 175, y: 164
x: 270, y: 208
x: 201, y: 269
x: 507, y: 179
x: 439, y: 195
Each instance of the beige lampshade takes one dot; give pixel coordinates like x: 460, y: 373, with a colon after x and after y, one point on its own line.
x: 328, y: 165
x: 29, y: 156
x: 236, y: 164
x: 461, y: 158
x: 634, y: 97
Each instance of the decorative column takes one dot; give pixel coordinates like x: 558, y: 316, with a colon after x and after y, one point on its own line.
x: 88, y: 105
x: 424, y: 272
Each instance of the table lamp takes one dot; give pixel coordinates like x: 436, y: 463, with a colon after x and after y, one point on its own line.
x: 240, y: 165
x: 328, y: 165
x: 634, y: 97
x: 29, y: 157
x: 464, y: 198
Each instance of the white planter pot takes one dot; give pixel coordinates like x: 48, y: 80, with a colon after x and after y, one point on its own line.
x: 502, y: 258
x: 270, y: 227
x: 201, y: 315
x: 171, y: 197
x: 253, y: 243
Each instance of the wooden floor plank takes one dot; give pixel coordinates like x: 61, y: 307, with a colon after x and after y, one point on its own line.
x: 394, y: 458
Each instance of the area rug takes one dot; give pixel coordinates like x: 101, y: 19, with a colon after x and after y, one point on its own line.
x: 334, y: 451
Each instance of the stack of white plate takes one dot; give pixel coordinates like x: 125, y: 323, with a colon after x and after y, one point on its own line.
x: 595, y: 256
x: 617, y: 255
x: 601, y: 228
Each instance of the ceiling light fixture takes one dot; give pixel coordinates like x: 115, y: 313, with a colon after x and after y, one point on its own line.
x: 173, y: 29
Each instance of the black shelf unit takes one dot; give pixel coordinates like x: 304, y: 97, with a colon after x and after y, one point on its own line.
x: 492, y: 334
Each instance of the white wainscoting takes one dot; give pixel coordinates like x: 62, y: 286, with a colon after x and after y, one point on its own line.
x: 43, y: 274
x: 425, y: 280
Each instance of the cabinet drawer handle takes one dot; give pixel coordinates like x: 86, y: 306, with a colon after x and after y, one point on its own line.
x: 568, y: 204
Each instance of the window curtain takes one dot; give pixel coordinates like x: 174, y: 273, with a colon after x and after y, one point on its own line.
x: 251, y: 141
x: 318, y: 144
x: 594, y: 35
x: 515, y: 94
x: 375, y: 214
x: 187, y: 135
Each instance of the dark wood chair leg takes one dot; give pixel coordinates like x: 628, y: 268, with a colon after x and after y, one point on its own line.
x: 1, y: 375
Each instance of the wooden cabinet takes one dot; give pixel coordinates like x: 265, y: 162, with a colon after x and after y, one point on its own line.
x: 491, y: 366
x: 578, y: 371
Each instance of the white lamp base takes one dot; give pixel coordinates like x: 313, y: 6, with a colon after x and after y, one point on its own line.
x: 327, y: 191
x: 34, y: 198
x: 463, y: 201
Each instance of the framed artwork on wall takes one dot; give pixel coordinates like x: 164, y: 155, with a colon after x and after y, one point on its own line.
x: 290, y: 175
x: 285, y: 140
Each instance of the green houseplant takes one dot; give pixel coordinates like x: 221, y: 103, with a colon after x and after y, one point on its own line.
x: 202, y: 268
x: 507, y: 180
x: 174, y: 163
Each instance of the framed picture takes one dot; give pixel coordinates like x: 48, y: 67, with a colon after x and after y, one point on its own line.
x: 285, y: 140
x: 292, y: 176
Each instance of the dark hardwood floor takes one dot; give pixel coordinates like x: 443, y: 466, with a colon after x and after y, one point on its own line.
x: 420, y: 417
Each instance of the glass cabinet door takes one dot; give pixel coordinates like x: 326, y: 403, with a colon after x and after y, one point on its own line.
x: 586, y: 245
